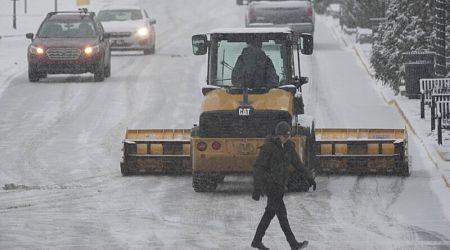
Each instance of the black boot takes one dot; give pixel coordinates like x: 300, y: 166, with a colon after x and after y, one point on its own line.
x: 299, y: 245
x: 259, y: 245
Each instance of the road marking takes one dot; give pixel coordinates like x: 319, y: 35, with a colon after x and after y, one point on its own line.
x: 367, y: 67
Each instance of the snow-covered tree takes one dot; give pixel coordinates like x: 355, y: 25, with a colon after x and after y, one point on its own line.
x: 359, y: 12
x: 409, y: 28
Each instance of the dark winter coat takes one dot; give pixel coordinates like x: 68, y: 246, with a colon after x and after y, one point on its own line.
x: 272, y: 164
x: 254, y: 69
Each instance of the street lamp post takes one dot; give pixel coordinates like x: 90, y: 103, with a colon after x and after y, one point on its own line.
x: 14, y: 14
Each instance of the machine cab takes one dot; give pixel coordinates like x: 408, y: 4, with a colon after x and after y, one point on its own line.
x: 226, y: 45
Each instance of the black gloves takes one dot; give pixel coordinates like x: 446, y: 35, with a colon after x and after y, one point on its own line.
x: 256, y: 194
x: 312, y: 183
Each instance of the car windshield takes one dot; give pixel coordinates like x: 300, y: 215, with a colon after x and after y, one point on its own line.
x: 67, y: 29
x: 119, y: 15
x: 228, y: 52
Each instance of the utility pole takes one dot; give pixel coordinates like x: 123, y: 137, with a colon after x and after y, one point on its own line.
x: 14, y: 14
x: 56, y: 5
x: 25, y: 7
x: 439, y: 45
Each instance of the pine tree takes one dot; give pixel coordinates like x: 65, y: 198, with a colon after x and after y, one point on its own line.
x: 357, y: 13
x: 409, y: 28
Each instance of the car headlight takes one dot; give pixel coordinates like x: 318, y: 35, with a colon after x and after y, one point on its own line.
x: 36, y: 50
x: 143, y: 32
x: 91, y: 50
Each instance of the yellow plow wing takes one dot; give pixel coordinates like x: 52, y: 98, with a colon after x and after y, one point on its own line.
x: 361, y: 151
x: 165, y: 151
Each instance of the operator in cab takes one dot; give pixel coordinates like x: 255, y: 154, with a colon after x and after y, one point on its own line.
x: 253, y: 68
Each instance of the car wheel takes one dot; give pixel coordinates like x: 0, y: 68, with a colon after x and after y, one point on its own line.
x: 108, y: 67
x: 99, y: 74
x: 150, y: 50
x: 33, y: 75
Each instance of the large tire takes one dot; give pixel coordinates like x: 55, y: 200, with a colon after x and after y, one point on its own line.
x: 204, y: 182
x: 33, y: 75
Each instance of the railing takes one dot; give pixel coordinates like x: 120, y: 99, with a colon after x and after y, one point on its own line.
x: 429, y: 86
x: 443, y: 116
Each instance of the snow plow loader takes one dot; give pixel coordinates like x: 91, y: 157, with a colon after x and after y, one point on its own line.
x: 235, y: 121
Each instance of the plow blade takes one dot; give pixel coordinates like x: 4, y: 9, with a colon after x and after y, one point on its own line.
x: 156, y: 151
x: 361, y: 151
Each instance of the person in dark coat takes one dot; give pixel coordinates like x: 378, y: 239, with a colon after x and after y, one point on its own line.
x: 270, y: 178
x: 254, y: 68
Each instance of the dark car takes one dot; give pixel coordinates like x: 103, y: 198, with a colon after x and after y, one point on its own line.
x: 298, y: 15
x: 69, y: 43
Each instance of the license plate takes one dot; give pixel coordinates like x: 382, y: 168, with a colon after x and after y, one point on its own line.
x: 119, y: 42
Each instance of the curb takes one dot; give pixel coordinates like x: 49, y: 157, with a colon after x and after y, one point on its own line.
x: 366, y: 65
x: 405, y: 118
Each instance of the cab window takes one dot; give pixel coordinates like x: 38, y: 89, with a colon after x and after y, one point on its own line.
x: 229, y: 51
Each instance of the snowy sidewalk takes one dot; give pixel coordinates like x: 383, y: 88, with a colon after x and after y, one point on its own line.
x: 408, y: 108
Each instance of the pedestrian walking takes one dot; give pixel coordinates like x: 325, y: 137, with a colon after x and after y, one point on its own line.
x: 270, y: 178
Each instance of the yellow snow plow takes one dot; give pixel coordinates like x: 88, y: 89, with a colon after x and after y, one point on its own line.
x: 164, y: 151
x: 361, y: 151
x: 333, y: 151
x: 235, y: 120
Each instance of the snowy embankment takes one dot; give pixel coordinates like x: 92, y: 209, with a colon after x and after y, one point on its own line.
x: 439, y: 155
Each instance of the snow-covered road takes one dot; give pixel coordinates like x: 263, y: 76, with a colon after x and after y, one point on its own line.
x: 60, y: 145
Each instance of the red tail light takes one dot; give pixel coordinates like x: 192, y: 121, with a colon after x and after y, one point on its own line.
x: 202, y: 146
x: 216, y: 145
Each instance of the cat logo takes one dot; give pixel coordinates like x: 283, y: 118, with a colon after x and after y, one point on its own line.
x: 244, y: 111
